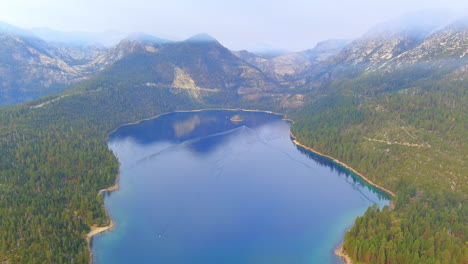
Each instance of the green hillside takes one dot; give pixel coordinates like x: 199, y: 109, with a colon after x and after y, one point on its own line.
x: 403, y: 127
x: 412, y: 141
x: 54, y: 159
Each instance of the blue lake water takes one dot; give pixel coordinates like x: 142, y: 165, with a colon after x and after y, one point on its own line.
x: 198, y: 188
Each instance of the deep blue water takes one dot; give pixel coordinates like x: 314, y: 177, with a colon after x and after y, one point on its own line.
x: 198, y: 188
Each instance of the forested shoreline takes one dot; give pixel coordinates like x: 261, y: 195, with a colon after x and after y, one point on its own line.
x: 55, y: 159
x: 414, y: 145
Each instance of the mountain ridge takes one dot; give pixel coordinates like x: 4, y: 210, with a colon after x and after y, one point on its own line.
x: 402, y: 127
x: 386, y: 48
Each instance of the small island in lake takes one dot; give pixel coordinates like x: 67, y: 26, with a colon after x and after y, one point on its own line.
x: 237, y: 118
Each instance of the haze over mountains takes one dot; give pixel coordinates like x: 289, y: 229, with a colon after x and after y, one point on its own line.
x: 31, y: 67
x: 391, y: 104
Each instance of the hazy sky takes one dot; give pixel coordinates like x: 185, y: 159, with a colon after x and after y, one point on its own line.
x: 249, y: 24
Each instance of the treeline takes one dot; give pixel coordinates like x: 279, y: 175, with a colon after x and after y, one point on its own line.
x: 55, y: 159
x: 429, y: 221
x: 416, y: 231
x: 409, y: 136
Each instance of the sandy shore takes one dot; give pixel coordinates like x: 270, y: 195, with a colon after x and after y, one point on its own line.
x: 342, y: 254
x: 114, y: 187
x: 99, y: 229
x: 95, y: 229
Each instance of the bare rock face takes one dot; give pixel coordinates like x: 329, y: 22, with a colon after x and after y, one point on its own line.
x: 290, y: 69
x: 425, y: 43
x: 294, y: 63
x: 442, y: 46
x: 76, y: 55
x: 406, y: 41
x: 135, y: 43
x: 31, y: 68
x: 201, y: 66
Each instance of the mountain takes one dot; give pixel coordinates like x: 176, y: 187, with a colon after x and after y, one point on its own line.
x: 31, y: 67
x: 294, y: 63
x: 75, y: 48
x: 420, y: 44
x: 443, y: 46
x: 400, y: 51
x: 391, y: 105
x: 76, y: 55
x: 325, y: 50
x: 199, y: 65
x: 134, y: 43
x: 389, y: 40
x: 201, y: 38
x: 289, y: 69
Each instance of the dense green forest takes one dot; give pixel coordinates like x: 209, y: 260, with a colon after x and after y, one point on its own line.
x: 55, y: 159
x: 412, y: 141
x: 409, y: 136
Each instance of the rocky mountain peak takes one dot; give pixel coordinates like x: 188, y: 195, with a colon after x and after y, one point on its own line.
x: 441, y: 47
x: 387, y: 41
x: 325, y: 50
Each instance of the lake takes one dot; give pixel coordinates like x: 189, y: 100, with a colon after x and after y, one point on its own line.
x: 198, y: 187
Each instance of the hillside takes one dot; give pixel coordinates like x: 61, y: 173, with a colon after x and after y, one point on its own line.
x: 55, y: 160
x: 402, y: 122
x: 203, y: 68
x: 292, y: 70
x: 31, y: 67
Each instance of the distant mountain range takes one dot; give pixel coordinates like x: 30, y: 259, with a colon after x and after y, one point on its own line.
x: 31, y: 67
x: 390, y: 104
x: 387, y: 47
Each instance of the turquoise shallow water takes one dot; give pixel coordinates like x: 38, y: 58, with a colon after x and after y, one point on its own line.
x: 199, y: 188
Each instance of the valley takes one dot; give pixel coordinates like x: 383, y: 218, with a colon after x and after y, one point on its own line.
x: 391, y: 104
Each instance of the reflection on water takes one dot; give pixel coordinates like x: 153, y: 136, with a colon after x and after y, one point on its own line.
x: 198, y: 188
x: 186, y: 127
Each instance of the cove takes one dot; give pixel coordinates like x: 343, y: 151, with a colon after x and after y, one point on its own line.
x: 198, y: 187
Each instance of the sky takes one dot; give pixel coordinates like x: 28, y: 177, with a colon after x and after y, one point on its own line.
x: 291, y: 25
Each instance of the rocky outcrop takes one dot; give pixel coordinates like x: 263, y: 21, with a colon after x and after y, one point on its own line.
x: 405, y: 41
x: 291, y: 69
x: 31, y: 68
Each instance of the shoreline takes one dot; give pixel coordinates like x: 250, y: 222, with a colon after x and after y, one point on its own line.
x: 99, y: 229
x: 296, y: 142
x: 112, y: 188
x: 342, y: 254
x: 95, y: 230
x: 339, y: 251
x: 200, y: 110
